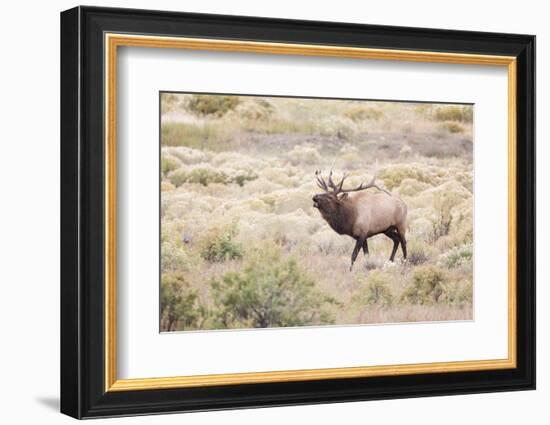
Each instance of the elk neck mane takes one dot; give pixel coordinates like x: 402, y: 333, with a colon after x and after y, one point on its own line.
x: 341, y: 219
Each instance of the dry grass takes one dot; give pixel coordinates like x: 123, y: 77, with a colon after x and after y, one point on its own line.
x: 412, y: 313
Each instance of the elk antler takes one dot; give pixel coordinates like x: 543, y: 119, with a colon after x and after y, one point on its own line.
x: 338, y: 187
x: 363, y: 186
x: 320, y: 181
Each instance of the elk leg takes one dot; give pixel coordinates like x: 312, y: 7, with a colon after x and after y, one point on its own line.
x: 403, y: 245
x: 390, y: 233
x: 358, y: 245
x: 366, y: 247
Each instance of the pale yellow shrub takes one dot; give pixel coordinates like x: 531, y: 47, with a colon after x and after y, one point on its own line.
x: 348, y: 148
x: 458, y: 292
x: 457, y: 257
x: 286, y: 229
x: 329, y: 242
x: 405, y: 150
x: 254, y: 109
x: 341, y: 127
x: 188, y: 155
x: 304, y: 154
x: 411, y: 187
x: 452, y: 127
x: 454, y: 113
x: 261, y: 186
x: 393, y: 176
x: 420, y: 227
x: 417, y: 253
x: 166, y: 186
x: 450, y: 192
x: 237, y: 161
x: 175, y: 257
x: 289, y: 200
x: 280, y: 175
x: 187, y: 204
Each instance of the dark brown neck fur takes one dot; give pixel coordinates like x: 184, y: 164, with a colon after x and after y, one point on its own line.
x: 341, y: 218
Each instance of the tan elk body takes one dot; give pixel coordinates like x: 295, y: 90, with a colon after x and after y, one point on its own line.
x: 362, y: 215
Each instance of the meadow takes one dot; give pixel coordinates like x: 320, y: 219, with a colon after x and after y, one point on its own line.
x: 242, y: 245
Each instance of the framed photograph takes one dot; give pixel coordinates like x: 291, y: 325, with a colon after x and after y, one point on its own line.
x: 261, y: 212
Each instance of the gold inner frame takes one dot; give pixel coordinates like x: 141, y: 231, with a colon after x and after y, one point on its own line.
x: 113, y: 41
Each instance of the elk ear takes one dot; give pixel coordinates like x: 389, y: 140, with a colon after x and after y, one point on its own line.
x: 343, y: 196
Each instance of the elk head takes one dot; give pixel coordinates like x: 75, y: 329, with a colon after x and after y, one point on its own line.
x: 329, y: 201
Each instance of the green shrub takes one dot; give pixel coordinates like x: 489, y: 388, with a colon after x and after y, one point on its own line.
x: 179, y: 309
x: 206, y: 104
x: 168, y: 163
x: 426, y: 287
x: 270, y: 291
x: 361, y: 113
x: 454, y: 113
x: 376, y: 291
x: 218, y: 244
x: 178, y: 177
x: 242, y: 176
x: 206, y: 176
x: 394, y: 176
x: 203, y: 176
x: 452, y: 127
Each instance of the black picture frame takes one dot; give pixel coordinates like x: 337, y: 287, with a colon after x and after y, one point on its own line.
x: 83, y: 392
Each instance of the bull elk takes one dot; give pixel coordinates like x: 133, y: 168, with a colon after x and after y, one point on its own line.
x: 361, y: 214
